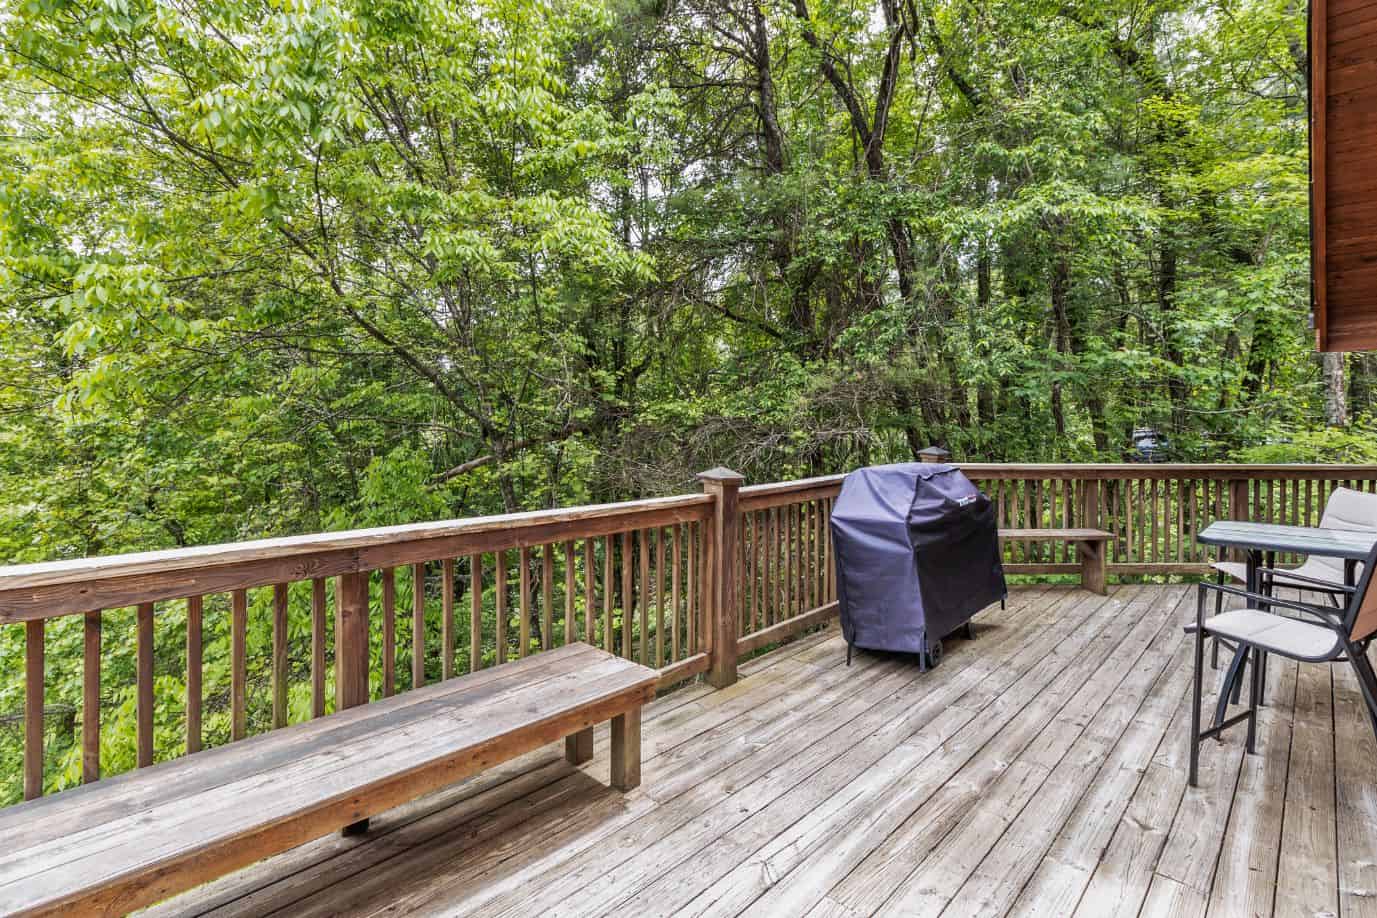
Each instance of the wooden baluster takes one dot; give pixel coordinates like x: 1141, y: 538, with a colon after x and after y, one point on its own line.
x: 590, y: 593
x: 239, y: 626
x: 1129, y: 512
x: 1309, y: 505
x: 1156, y: 519
x: 547, y: 597
x: 475, y: 613
x: 795, y: 561
x: 318, y: 647
x: 781, y: 584
x: 644, y: 596
x: 820, y: 599
x: 1193, y: 549
x: 501, y: 590
x: 524, y: 601
x: 389, y: 643
x: 676, y: 573
x: 279, y: 661
x: 691, y: 599
x: 829, y: 573
x: 33, y: 708
x: 659, y: 598
x: 143, y: 706
x: 748, y: 546
x: 609, y: 642
x: 90, y: 691
x: 447, y: 619
x: 626, y: 594
x: 418, y: 624
x: 569, y: 585
x: 773, y: 568
x: 767, y: 571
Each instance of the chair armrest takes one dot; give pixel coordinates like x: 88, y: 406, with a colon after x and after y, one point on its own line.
x: 1326, y: 616
x: 1324, y: 586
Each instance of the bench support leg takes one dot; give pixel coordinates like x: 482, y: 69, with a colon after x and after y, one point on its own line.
x: 626, y: 750
x: 1093, y: 566
x: 578, y: 747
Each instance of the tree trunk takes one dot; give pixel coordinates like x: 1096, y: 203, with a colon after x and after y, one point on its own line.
x: 1335, y: 392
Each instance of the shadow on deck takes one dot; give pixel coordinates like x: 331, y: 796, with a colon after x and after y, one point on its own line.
x: 1038, y: 770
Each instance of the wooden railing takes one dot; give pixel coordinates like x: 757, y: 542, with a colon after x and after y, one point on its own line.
x: 1153, y: 511
x: 683, y: 584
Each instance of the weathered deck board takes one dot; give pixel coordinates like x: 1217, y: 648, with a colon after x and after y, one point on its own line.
x: 1038, y: 770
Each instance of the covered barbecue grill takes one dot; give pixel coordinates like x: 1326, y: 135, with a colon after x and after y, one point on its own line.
x: 917, y: 553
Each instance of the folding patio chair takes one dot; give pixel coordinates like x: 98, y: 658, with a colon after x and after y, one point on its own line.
x: 1345, y: 509
x: 1321, y: 634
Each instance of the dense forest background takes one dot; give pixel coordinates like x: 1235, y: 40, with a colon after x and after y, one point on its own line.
x: 280, y: 267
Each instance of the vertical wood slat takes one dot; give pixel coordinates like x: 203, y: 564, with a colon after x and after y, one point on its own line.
x: 609, y: 642
x: 194, y: 632
x: 318, y: 647
x: 239, y: 623
x: 690, y: 601
x: 757, y: 573
x: 500, y: 573
x: 475, y: 613
x: 660, y: 598
x: 33, y: 708
x: 676, y: 573
x: 418, y: 624
x: 144, y: 685
x: 643, y: 597
x: 590, y: 615
x: 524, y: 601
x: 791, y: 552
x: 90, y: 690
x: 389, y: 640
x: 547, y: 597
x: 447, y: 619
x: 279, y: 668
x: 626, y: 595
x: 569, y: 586
x: 767, y: 575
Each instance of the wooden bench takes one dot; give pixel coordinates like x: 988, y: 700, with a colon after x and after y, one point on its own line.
x: 132, y: 840
x: 1092, y: 545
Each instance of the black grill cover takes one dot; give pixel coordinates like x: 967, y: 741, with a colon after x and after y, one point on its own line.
x: 917, y: 553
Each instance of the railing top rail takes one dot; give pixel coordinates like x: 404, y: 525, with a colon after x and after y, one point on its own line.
x: 1135, y: 470
x: 563, y: 522
x: 786, y: 487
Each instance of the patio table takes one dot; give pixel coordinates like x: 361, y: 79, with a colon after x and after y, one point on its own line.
x: 1255, y: 539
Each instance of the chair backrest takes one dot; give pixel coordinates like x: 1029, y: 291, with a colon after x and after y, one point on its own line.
x: 1360, y: 618
x: 1347, y: 509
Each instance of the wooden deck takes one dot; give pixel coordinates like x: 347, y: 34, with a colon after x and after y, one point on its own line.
x: 1038, y: 770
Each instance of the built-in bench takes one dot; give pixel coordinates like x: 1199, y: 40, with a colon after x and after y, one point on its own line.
x: 1091, y: 545
x: 128, y: 841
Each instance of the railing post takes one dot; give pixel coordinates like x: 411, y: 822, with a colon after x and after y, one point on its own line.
x: 351, y: 652
x: 351, y: 640
x: 1238, y: 509
x: 720, y: 558
x: 933, y: 454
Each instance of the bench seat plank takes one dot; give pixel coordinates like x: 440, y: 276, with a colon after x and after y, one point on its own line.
x: 1067, y: 535
x: 142, y: 837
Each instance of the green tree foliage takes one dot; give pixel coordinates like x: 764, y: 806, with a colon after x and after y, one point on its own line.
x: 275, y: 268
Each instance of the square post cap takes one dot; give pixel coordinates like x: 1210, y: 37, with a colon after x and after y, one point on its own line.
x: 721, y: 476
x: 934, y: 454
